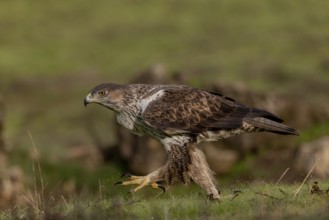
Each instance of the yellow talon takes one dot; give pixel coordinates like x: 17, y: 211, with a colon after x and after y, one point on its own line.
x: 141, y: 181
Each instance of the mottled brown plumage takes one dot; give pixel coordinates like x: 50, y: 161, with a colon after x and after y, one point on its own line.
x: 189, y: 110
x: 180, y: 117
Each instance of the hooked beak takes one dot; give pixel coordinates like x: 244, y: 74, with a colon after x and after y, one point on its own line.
x: 86, y: 101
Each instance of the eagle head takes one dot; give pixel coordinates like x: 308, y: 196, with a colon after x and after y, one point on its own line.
x: 107, y: 94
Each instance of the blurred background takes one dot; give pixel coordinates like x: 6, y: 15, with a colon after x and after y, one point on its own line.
x: 269, y: 54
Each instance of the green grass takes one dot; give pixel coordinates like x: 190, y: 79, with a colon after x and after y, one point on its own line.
x: 316, y: 131
x: 256, y: 200
x: 225, y: 41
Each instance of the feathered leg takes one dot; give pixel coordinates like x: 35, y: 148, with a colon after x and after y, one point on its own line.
x: 201, y: 174
x: 188, y: 162
x: 184, y: 163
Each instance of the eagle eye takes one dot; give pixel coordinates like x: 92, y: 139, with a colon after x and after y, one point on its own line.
x: 102, y: 93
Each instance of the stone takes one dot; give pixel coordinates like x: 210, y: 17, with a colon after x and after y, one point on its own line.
x: 220, y: 160
x: 311, y: 152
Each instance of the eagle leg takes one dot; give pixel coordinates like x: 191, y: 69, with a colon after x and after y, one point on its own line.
x: 201, y: 174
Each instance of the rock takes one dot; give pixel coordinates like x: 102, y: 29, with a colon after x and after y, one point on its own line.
x: 220, y: 160
x: 84, y: 153
x: 11, y: 185
x: 11, y: 178
x: 311, y: 152
x: 141, y: 155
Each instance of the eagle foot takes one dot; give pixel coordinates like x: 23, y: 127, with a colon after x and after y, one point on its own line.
x: 141, y: 181
x: 214, y: 198
x: 232, y: 196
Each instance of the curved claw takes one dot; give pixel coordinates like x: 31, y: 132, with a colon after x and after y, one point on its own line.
x: 125, y: 175
x: 118, y: 183
x: 212, y: 198
x: 237, y: 192
x: 160, y: 182
x: 162, y: 187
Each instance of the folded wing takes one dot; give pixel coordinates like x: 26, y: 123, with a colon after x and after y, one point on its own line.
x: 190, y: 110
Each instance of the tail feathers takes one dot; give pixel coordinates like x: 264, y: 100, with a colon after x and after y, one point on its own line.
x: 271, y: 126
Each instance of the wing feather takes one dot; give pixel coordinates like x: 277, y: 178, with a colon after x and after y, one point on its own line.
x: 190, y: 110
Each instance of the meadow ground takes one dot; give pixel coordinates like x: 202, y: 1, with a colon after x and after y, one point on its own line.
x: 257, y: 200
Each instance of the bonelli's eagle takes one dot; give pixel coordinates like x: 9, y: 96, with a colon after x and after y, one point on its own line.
x: 180, y: 117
